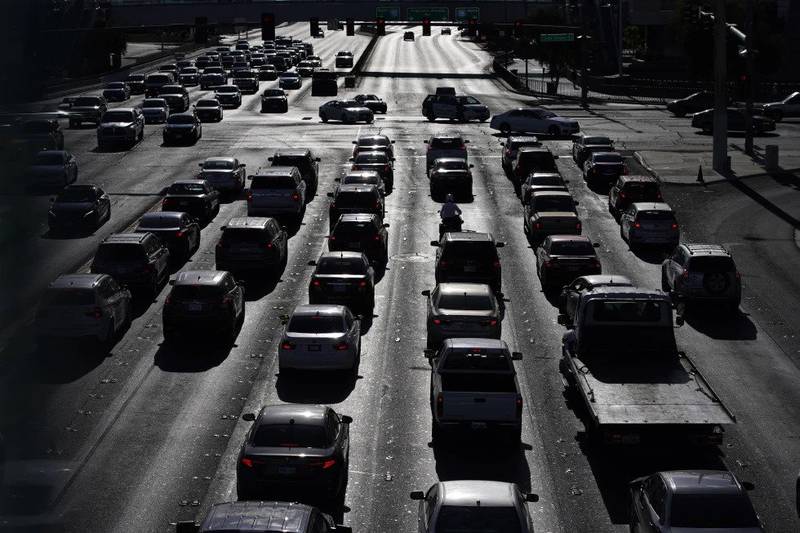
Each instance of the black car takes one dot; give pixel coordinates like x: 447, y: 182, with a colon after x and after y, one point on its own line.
x: 252, y: 243
x: 79, y: 207
x: 371, y: 101
x: 182, y: 128
x: 177, y: 97
x: 562, y: 258
x: 306, y: 163
x: 246, y: 80
x: 208, y: 301
x: 196, y: 197
x: 135, y: 83
x: 254, y: 517
x: 208, y: 110
x: 470, y: 257
x: 691, y: 104
x: 379, y: 161
x: 267, y: 73
x: 179, y: 231
x: 295, y: 450
x: 604, y: 167
x: 358, y: 232
x: 355, y: 199
x: 583, y: 145
x: 139, y: 261
x: 344, y: 278
x: 736, y: 121
x: 274, y: 101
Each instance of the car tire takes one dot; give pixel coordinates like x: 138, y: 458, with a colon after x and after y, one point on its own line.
x: 665, y: 284
x: 437, y: 435
x: 505, y: 128
x: 431, y: 117
x: 324, y: 117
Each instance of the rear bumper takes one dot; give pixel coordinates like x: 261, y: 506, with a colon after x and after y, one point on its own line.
x: 655, y: 240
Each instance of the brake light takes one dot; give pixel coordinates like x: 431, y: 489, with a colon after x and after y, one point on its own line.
x: 332, y: 238
x: 658, y: 196
x: 519, y: 406
x: 596, y: 263
x: 637, y: 225
x: 437, y: 321
x: 377, y: 205
x: 333, y: 205
x: 625, y: 170
x: 538, y: 225
x: 578, y: 226
x: 547, y: 264
x: 296, y: 197
x: 387, y: 168
x: 166, y: 202
x: 269, y: 245
x: 342, y: 346
x: 168, y: 300
x: 362, y: 283
x: 493, y: 322
x: 443, y: 263
x: 621, y: 194
x: 685, y: 274
x: 249, y: 196
x: 328, y: 463
x: 179, y: 234
x: 376, y: 237
x: 674, y: 226
x: 439, y: 404
x: 96, y: 312
x: 287, y: 346
x: 316, y: 283
x: 246, y: 461
x: 738, y: 275
x: 496, y: 264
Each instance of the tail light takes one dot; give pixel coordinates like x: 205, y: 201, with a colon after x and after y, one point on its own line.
x: 658, y: 196
x: 625, y: 170
x: 96, y: 312
x: 547, y: 264
x: 622, y: 194
x: 376, y: 237
x: 342, y: 346
x: 168, y: 300
x: 249, y: 196
x: 437, y: 321
x: 387, y: 168
x: 377, y: 205
x: 738, y: 275
x: 166, y: 202
x: 496, y: 265
x: 247, y: 462
x: 519, y: 406
x: 226, y: 301
x: 179, y: 234
x: 596, y: 263
x: 316, y: 283
x: 443, y: 263
x: 674, y: 226
x: 493, y: 322
x: 296, y: 197
x: 637, y: 225
x: 538, y: 225
x: 578, y: 226
x: 325, y: 464
x: 439, y: 404
x: 685, y: 275
x: 332, y: 238
x: 268, y: 245
x: 287, y: 346
x: 362, y: 284
x: 333, y: 205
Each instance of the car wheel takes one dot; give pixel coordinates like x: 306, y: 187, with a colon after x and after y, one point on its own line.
x: 777, y: 116
x: 665, y: 284
x: 680, y: 113
x: 554, y: 131
x: 431, y: 117
x: 324, y: 117
x: 505, y: 128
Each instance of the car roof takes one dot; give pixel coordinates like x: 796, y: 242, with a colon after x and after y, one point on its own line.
x: 257, y: 517
x: 199, y: 277
x: 523, y: 139
x: 449, y: 160
x: 173, y: 115
x: 370, y: 173
x: 162, y: 215
x: 476, y: 289
x: 474, y: 493
x: 630, y: 178
x: 288, y: 412
x: 371, y: 135
x: 293, y: 152
x: 539, y: 194
x: 651, y: 206
x: 701, y: 482
x: 706, y: 249
x: 627, y: 292
x: 222, y: 159
x: 447, y: 135
x: 372, y: 153
x: 609, y: 152
x: 319, y: 309
x: 80, y: 187
x: 76, y: 281
x: 247, y: 222
x: 466, y: 343
x: 357, y: 217
x: 468, y: 236
x: 189, y: 182
x: 273, y: 172
x: 126, y: 109
x: 527, y: 149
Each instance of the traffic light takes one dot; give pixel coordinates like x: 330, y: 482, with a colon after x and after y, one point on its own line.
x: 314, y: 26
x: 201, y: 30
x: 472, y: 27
x: 426, y: 26
x: 380, y: 26
x: 267, y: 27
x: 351, y: 27
x: 517, y: 28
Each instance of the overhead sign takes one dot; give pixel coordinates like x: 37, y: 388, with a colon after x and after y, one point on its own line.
x: 387, y: 13
x: 556, y: 37
x: 466, y: 13
x: 430, y: 13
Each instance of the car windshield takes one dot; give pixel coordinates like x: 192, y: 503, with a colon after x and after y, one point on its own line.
x: 306, y: 64
x: 86, y: 101
x: 118, y: 116
x: 712, y: 264
x: 553, y: 203
x: 467, y: 100
x: 226, y: 90
x: 627, y: 311
x: 68, y: 297
x: 186, y: 188
x: 316, y: 324
x: 273, y: 182
x: 290, y: 436
x: 288, y: 75
x: 447, y: 143
x: 274, y: 92
x: 457, y: 519
x: 49, y: 158
x: 354, y: 199
x: 373, y: 141
x: 367, y: 179
x: 465, y: 301
x: 571, y: 248
x: 335, y: 265
x: 76, y: 195
x: 605, y: 141
x: 218, y: 164
x: 119, y: 252
x: 159, y: 78
x: 477, y: 359
x: 607, y: 158
x: 181, y: 119
x: 154, y: 103
x: 545, y: 180
x: 196, y: 292
x: 712, y: 511
x: 207, y: 103
x: 159, y: 222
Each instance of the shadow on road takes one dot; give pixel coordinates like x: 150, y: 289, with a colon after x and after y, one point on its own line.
x: 721, y: 325
x: 483, y: 458
x: 190, y: 356
x: 315, y: 387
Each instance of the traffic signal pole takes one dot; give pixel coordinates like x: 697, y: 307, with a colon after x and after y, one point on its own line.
x: 748, y: 44
x: 720, y: 151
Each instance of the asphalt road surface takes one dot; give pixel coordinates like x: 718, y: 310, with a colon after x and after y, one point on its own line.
x: 141, y: 437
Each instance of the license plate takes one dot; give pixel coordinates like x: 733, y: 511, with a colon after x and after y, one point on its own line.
x: 313, y: 347
x: 470, y: 269
x: 287, y: 470
x: 183, y: 202
x: 477, y: 425
x: 354, y: 244
x: 339, y: 288
x: 193, y: 306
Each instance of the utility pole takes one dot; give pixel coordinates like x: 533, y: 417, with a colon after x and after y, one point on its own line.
x: 720, y: 154
x: 619, y: 37
x: 748, y: 44
x: 584, y: 51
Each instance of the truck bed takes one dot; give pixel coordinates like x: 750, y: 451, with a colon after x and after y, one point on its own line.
x: 452, y: 382
x: 639, y: 390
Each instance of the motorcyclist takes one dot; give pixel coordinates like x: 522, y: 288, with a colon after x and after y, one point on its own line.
x: 450, y: 212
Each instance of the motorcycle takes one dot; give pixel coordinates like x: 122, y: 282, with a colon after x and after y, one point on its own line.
x: 449, y: 225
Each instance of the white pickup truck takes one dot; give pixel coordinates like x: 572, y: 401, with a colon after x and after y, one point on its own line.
x: 474, y: 388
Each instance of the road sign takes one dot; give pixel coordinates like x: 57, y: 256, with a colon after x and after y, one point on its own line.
x: 431, y: 13
x: 466, y: 13
x: 387, y: 13
x: 556, y: 37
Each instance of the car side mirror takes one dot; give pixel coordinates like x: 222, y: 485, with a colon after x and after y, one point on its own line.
x: 330, y: 195
x: 466, y: 141
x: 417, y: 495
x: 472, y: 166
x: 434, y: 243
x: 346, y: 419
x: 576, y: 202
x: 386, y: 225
x: 355, y: 142
x: 425, y: 141
x: 200, y: 165
x: 502, y: 144
x: 392, y: 142
x: 426, y: 292
x: 312, y: 263
x: 172, y: 282
x: 351, y: 159
x: 516, y: 356
x: 531, y: 497
x: 317, y: 159
x: 679, y: 320
x: 747, y: 485
x: 337, y: 179
x: 563, y: 320
x: 596, y: 244
x: 249, y: 417
x: 500, y: 244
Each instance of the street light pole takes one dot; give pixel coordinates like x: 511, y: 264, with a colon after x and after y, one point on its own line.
x: 748, y: 86
x: 720, y: 154
x: 619, y: 37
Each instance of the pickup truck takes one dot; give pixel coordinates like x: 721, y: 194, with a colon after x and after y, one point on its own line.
x: 620, y: 359
x: 474, y: 387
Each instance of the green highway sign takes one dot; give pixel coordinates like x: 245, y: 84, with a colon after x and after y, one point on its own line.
x: 466, y: 13
x: 430, y: 13
x: 556, y: 37
x: 387, y: 13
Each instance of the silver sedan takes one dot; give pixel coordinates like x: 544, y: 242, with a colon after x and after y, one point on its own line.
x: 320, y: 337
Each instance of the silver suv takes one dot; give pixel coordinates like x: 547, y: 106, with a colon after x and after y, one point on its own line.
x: 702, y: 273
x: 121, y: 125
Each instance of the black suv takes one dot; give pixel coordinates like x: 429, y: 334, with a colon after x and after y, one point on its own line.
x: 206, y: 301
x: 344, y: 278
x: 468, y: 257
x: 359, y: 232
x: 631, y: 189
x: 532, y: 159
x: 355, y: 198
x: 252, y: 243
x: 702, y: 273
x: 137, y: 260
x: 306, y: 163
x: 83, y: 207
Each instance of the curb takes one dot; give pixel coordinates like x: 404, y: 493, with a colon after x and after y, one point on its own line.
x: 719, y: 178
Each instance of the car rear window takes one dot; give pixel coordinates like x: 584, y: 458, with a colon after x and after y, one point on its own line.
x: 154, y: 103
x: 186, y: 188
x: 457, y: 519
x: 571, y: 248
x: 476, y: 360
x: 76, y: 195
x: 218, y: 164
x: 196, y: 292
x: 273, y: 182
x: 712, y: 511
x: 627, y: 311
x: 482, y: 250
x: 597, y: 140
x: 711, y: 264
x: 655, y: 215
x: 290, y: 436
x: 330, y: 265
x: 541, y: 161
x: 207, y: 103
x: 608, y: 158
x: 316, y: 324
x: 181, y: 119
x: 362, y: 180
x: 86, y: 101
x: 465, y: 301
x: 68, y: 297
x: 641, y: 189
x: 545, y: 180
x: 119, y: 252
x: 240, y: 235
x: 159, y: 222
x: 447, y: 143
x: 373, y: 141
x: 355, y: 199
x: 554, y: 203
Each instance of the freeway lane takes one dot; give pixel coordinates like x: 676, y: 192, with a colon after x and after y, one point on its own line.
x: 149, y: 429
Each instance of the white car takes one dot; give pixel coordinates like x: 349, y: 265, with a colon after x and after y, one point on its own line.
x: 534, y: 120
x: 83, y: 305
x: 474, y: 505
x: 788, y: 107
x: 320, y: 337
x: 345, y: 111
